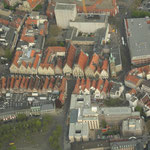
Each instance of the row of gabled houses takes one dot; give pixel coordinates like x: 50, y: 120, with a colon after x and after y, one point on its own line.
x: 138, y: 80
x: 59, y: 61
x: 100, y: 89
x: 34, y: 84
x: 25, y: 62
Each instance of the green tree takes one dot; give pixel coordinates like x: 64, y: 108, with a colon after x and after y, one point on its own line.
x: 13, y: 147
x: 21, y: 117
x: 104, y: 124
x: 38, y: 7
x: 8, y: 54
x: 38, y: 124
x: 139, y: 13
x: 112, y: 102
x: 54, y: 30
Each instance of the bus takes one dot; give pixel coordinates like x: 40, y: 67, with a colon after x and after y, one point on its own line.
x: 122, y: 40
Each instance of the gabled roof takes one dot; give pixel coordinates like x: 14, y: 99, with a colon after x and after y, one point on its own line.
x: 36, y: 61
x: 98, y: 69
x: 71, y: 55
x: 30, y: 21
x: 24, y: 64
x: 94, y: 61
x: 132, y: 79
x: 12, y: 82
x: 105, y: 64
x: 51, y: 84
x: 16, y: 58
x: 99, y: 84
x: 26, y: 82
x: 88, y: 84
x: 82, y: 60
x: 3, y: 82
x: 59, y: 63
x: 61, y: 97
x: 105, y: 86
x: 63, y: 84
x: 46, y: 83
x: 33, y: 3
x: 76, y: 88
x: 32, y: 53
x: 82, y: 84
x: 94, y: 84
x: 56, y: 49
x: 17, y: 83
x: 22, y: 82
x: 37, y: 81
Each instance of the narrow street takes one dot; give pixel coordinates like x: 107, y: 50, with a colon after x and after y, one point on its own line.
x: 70, y: 88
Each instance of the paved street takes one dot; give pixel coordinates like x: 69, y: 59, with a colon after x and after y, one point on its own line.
x: 70, y: 87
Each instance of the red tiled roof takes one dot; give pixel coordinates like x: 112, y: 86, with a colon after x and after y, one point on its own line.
x: 94, y: 84
x: 56, y: 49
x: 71, y: 55
x: 32, y: 53
x: 30, y: 21
x: 17, y: 55
x: 12, y: 82
x: 26, y: 82
x: 82, y: 60
x: 132, y: 91
x: 98, y: 69
x: 36, y: 85
x: 42, y: 32
x: 93, y: 8
x: 46, y: 83
x: 105, y: 64
x: 132, y: 79
x: 29, y: 64
x: 88, y: 84
x: 76, y: 88
x: 17, y: 83
x: 22, y: 82
x: 148, y: 21
x: 99, y: 84
x: 3, y: 21
x: 51, y: 84
x: 63, y: 84
x: 59, y: 63
x: 82, y: 84
x: 3, y: 82
x: 61, y: 98
x: 24, y: 64
x: 36, y: 61
x: 105, y: 86
x: 94, y: 61
x: 29, y: 39
x: 47, y: 57
x: 33, y: 3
